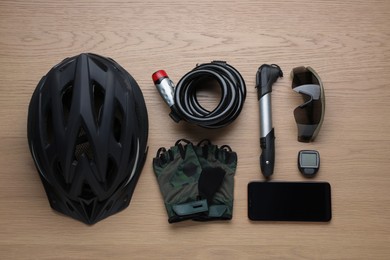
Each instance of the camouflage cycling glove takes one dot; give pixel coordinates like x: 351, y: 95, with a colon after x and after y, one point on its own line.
x: 185, y: 186
x: 212, y: 156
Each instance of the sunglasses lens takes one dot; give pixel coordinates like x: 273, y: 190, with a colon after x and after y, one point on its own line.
x: 308, y: 119
x: 309, y: 115
x: 303, y: 76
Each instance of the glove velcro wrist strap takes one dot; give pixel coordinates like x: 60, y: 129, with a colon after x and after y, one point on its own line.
x: 188, y: 210
x: 216, y: 212
x: 191, y: 208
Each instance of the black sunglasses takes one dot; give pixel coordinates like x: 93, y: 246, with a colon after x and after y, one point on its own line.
x: 310, y: 114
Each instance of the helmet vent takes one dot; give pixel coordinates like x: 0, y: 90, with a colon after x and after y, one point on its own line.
x: 101, y: 65
x: 98, y: 101
x: 86, y: 192
x: 83, y: 146
x: 67, y: 94
x: 112, y: 172
x: 59, y: 175
x: 118, y: 122
x: 87, y: 199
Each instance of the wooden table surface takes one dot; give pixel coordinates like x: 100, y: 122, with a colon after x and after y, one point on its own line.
x: 346, y: 42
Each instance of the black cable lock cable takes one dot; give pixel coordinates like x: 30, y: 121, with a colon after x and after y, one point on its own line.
x: 184, y: 103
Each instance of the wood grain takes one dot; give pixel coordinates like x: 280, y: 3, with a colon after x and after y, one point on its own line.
x: 346, y: 42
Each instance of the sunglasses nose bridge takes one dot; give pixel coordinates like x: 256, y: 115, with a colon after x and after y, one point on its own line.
x: 309, y: 93
x: 307, y: 98
x: 312, y: 90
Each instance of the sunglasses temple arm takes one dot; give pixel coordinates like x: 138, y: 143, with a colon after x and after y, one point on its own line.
x: 266, y: 76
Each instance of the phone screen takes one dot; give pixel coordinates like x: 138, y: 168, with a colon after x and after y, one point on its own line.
x: 289, y: 201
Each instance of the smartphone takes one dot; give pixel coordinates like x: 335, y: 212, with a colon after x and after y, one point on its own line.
x: 289, y: 201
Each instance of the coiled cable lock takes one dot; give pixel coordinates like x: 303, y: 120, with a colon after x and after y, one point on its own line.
x: 183, y: 101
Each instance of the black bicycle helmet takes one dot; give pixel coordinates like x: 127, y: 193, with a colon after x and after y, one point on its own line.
x: 87, y: 133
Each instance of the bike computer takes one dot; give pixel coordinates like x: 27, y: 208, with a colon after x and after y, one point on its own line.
x: 308, y: 162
